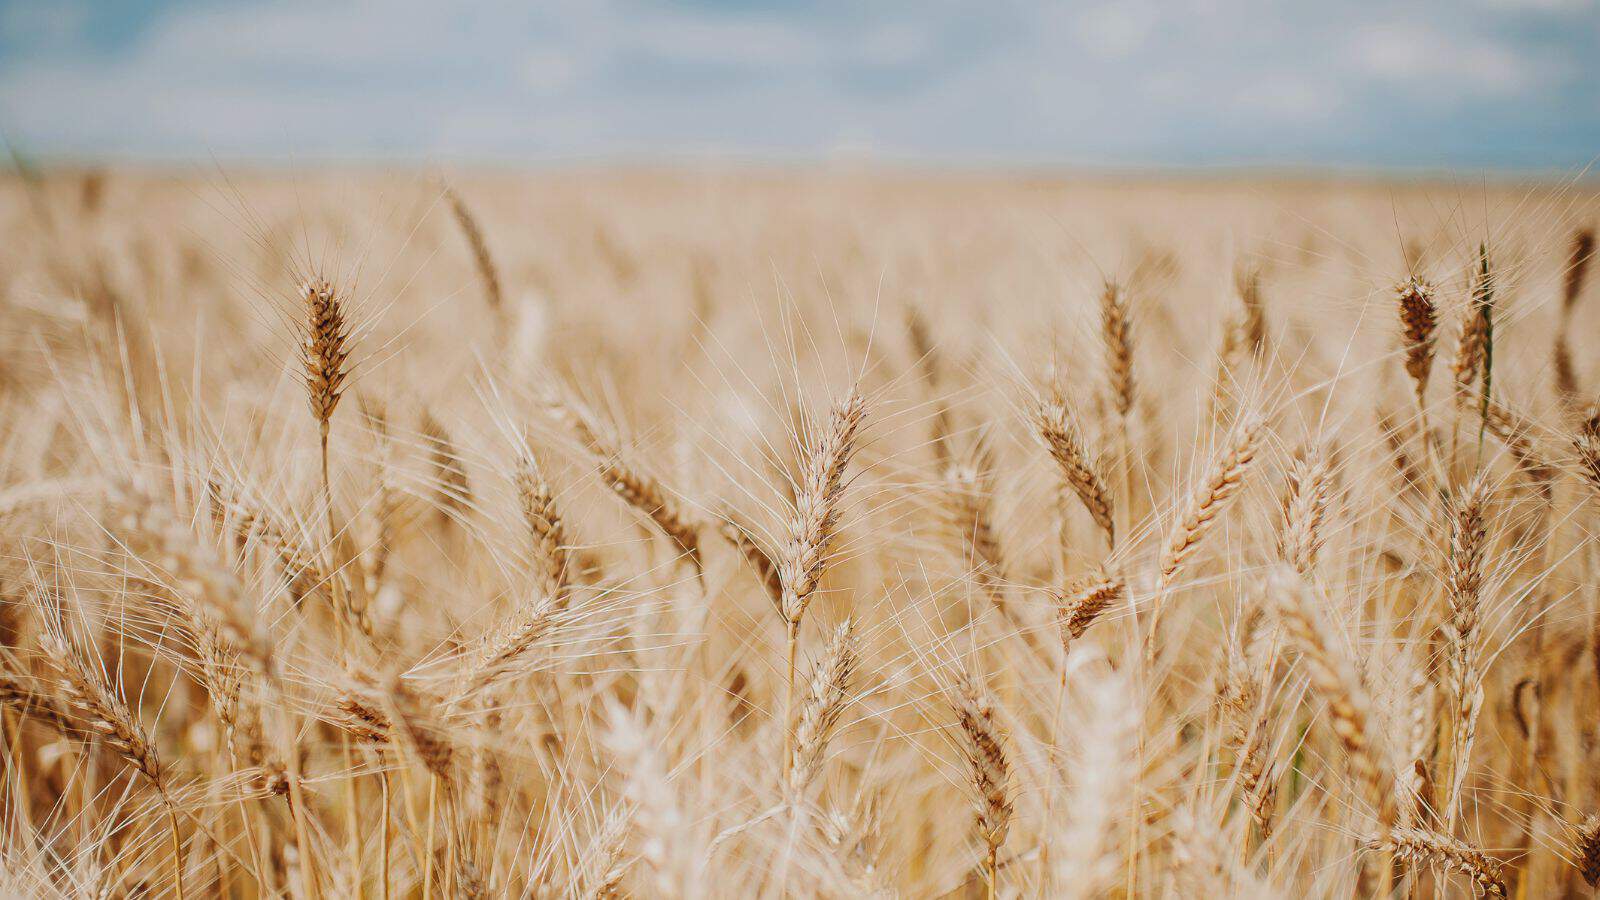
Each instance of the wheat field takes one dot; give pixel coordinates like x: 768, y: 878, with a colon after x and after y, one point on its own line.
x: 736, y: 533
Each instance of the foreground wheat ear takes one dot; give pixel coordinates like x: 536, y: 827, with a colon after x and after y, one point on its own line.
x: 806, y: 596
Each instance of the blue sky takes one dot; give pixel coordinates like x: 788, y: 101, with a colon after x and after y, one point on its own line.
x: 1455, y: 85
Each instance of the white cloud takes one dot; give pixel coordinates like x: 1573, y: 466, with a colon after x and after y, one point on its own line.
x: 1422, y: 55
x: 1116, y: 30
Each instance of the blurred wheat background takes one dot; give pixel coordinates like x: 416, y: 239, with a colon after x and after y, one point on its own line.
x: 659, y: 534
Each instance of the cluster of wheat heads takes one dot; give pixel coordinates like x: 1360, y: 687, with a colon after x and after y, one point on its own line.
x: 532, y: 539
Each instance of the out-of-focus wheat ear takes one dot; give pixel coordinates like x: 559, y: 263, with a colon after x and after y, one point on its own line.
x: 739, y: 534
x: 487, y: 273
x: 969, y: 496
x: 1104, y: 783
x: 1395, y: 437
x: 85, y: 698
x: 1567, y: 380
x: 1516, y: 432
x: 636, y: 488
x: 1474, y: 359
x: 424, y: 735
x: 1415, y: 777
x: 547, y: 532
x: 1420, y: 846
x: 608, y: 864
x: 1083, y: 602
x: 823, y: 705
x: 517, y: 638
x: 387, y: 506
x: 1562, y: 364
x: 1207, y: 503
x: 325, y: 349
x: 1336, y: 678
x: 1577, y: 273
x: 1419, y: 319
x: 453, y: 489
x: 1463, y: 580
x: 928, y: 363
x: 205, y: 585
x: 1057, y: 427
x: 1586, y: 849
x: 1116, y: 331
x: 663, y: 832
x: 1305, y: 506
x: 1587, y: 444
x: 301, y: 570
x: 968, y: 503
x: 360, y: 711
x: 19, y: 692
x: 815, y: 520
x: 987, y: 766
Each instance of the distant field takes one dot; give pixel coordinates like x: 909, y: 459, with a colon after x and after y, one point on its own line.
x: 794, y: 533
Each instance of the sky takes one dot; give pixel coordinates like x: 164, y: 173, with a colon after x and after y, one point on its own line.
x: 1447, y: 85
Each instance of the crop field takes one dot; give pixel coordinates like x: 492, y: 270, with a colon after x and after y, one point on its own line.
x: 797, y: 533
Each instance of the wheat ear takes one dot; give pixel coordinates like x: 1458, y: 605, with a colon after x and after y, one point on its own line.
x: 1567, y: 386
x: 812, y: 528
x: 987, y: 766
x: 1222, y: 483
x: 824, y: 703
x: 1335, y: 677
x: 547, y: 532
x: 1419, y: 319
x: 1116, y: 330
x: 1421, y: 846
x: 1586, y: 849
x: 1057, y: 428
x: 1463, y: 579
x: 487, y: 273
x: 1305, y: 506
x: 637, y: 489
